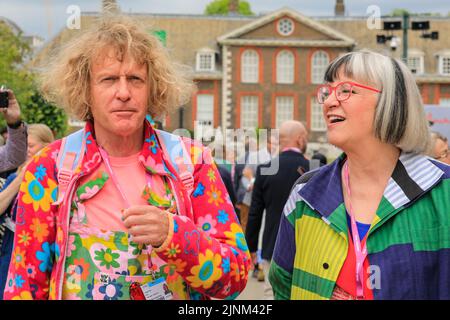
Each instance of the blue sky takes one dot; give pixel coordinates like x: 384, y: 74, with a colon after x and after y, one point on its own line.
x: 47, y: 17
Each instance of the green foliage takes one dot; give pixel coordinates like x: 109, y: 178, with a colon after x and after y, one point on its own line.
x: 37, y: 110
x: 400, y: 12
x: 14, y: 52
x: 220, y: 7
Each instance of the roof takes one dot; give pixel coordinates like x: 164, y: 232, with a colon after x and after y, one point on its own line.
x: 231, y: 37
x: 187, y: 34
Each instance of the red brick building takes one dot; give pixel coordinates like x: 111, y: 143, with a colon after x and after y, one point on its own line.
x: 258, y: 71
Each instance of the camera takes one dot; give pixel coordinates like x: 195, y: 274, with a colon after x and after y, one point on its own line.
x: 4, y: 101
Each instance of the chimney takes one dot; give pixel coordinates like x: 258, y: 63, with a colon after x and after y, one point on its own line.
x: 233, y: 7
x: 110, y: 6
x: 339, y: 8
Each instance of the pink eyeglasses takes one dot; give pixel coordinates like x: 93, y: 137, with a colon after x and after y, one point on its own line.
x: 342, y: 91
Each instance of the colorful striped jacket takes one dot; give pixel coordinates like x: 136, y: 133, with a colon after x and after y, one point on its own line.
x: 208, y: 249
x: 409, y: 240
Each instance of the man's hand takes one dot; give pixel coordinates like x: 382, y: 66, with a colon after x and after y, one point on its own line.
x: 147, y: 224
x: 12, y: 113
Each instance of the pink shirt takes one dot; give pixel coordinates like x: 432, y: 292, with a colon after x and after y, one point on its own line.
x: 131, y: 176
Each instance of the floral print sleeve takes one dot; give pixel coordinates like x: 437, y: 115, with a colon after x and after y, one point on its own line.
x: 34, y: 242
x: 212, y: 244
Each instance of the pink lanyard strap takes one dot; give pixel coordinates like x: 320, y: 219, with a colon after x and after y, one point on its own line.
x: 105, y: 158
x: 292, y: 149
x: 360, y: 253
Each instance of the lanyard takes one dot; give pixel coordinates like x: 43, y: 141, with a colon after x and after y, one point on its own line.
x: 113, y: 176
x: 360, y: 253
x: 292, y: 149
x: 105, y: 158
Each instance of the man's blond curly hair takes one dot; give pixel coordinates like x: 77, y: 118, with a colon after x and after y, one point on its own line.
x: 65, y: 81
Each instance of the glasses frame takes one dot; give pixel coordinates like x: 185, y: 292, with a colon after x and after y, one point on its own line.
x: 352, y: 84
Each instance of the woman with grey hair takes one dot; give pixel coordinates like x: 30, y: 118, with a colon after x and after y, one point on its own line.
x: 373, y: 224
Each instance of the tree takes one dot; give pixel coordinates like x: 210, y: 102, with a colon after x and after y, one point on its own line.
x: 37, y: 110
x: 14, y: 51
x: 220, y: 7
x: 399, y: 12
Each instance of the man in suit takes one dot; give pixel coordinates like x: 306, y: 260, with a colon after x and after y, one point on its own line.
x: 270, y: 193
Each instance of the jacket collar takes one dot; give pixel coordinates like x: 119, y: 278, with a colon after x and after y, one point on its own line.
x: 414, y: 175
x: 151, y: 155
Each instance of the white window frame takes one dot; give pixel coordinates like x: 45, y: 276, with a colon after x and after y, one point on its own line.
x: 205, y: 110
x: 318, y: 123
x: 441, y: 64
x: 318, y: 70
x: 284, y: 109
x: 205, y: 54
x: 285, y: 70
x: 249, y: 112
x: 250, y: 66
x: 75, y: 123
x: 416, y: 54
x: 444, y: 102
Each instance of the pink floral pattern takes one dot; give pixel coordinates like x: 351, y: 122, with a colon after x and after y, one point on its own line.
x: 209, y: 239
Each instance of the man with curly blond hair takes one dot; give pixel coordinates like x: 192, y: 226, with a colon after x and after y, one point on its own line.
x: 132, y: 227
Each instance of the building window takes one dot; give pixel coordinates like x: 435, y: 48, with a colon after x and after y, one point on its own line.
x: 249, y: 112
x: 444, y: 65
x: 205, y: 110
x: 444, y: 102
x: 284, y: 109
x: 285, y: 67
x: 285, y: 26
x: 250, y: 66
x: 415, y: 63
x: 319, y: 63
x: 205, y: 61
x: 76, y: 123
x: 317, y: 121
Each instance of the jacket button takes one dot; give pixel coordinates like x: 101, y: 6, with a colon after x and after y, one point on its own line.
x: 325, y: 266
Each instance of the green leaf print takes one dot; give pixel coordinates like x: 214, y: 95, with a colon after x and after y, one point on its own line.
x: 107, y: 258
x: 121, y: 241
x: 134, y: 267
x: 92, y: 187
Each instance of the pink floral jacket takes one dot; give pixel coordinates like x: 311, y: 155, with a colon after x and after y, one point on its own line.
x: 211, y: 237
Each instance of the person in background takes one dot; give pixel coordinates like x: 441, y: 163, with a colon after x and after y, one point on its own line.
x: 439, y: 147
x: 128, y: 221
x: 270, y: 193
x: 14, y: 152
x: 39, y: 136
x: 374, y: 223
x: 321, y: 157
x: 224, y: 168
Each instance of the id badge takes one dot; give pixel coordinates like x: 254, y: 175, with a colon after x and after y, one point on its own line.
x: 10, y: 224
x: 155, y: 290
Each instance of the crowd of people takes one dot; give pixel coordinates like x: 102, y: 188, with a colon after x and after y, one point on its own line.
x: 124, y: 210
